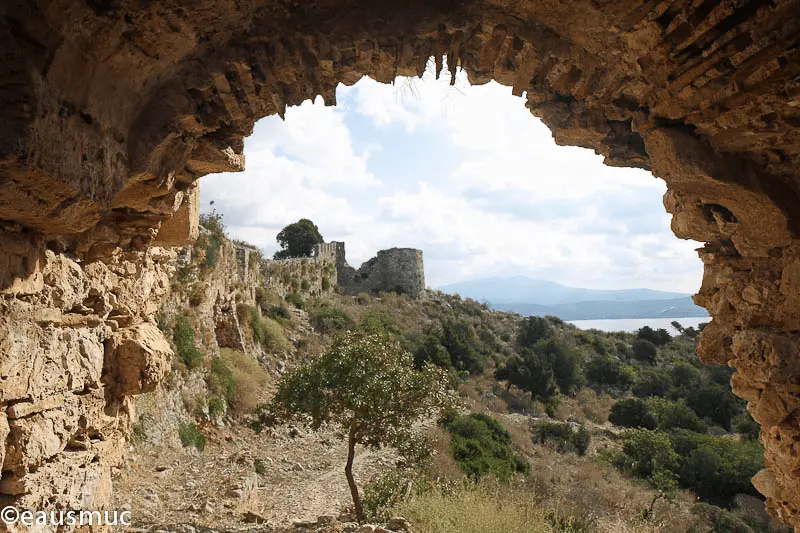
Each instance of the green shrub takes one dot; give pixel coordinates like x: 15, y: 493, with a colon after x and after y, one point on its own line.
x: 685, y: 377
x: 645, y: 351
x: 658, y: 337
x: 652, y: 382
x: 649, y: 455
x: 183, y: 337
x: 460, y: 341
x: 220, y: 380
x: 384, y: 492
x: 674, y: 415
x: 295, y: 299
x: 532, y: 329
x: 744, y: 424
x: 327, y: 318
x: 717, y: 468
x: 211, y: 240
x: 305, y: 285
x: 632, y: 413
x: 378, y: 321
x: 274, y: 338
x: 715, y: 402
x: 432, y: 351
x: 563, y: 436
x: 260, y: 466
x: 191, y: 435
x: 606, y: 372
x: 530, y: 372
x: 266, y: 331
x: 278, y: 312
x: 162, y: 322
x: 363, y: 298
x: 326, y: 283
x: 481, y: 445
x: 216, y: 407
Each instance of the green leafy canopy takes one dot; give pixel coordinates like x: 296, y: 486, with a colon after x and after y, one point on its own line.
x: 366, y: 386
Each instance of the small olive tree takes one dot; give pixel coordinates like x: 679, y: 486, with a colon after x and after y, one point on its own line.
x: 367, y: 388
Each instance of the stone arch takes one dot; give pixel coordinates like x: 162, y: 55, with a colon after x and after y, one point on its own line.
x: 114, y: 108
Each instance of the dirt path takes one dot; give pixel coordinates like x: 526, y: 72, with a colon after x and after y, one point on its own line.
x: 301, y: 479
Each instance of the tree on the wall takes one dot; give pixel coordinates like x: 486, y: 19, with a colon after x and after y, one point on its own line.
x: 298, y: 239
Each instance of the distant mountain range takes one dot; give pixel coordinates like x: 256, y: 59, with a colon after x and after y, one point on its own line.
x: 528, y: 296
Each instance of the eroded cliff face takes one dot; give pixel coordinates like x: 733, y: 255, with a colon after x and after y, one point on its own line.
x: 113, y: 109
x: 76, y: 343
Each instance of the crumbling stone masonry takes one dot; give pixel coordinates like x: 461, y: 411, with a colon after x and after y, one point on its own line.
x: 112, y: 109
x: 396, y: 269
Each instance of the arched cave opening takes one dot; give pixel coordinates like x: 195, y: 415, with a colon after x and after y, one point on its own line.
x: 108, y: 127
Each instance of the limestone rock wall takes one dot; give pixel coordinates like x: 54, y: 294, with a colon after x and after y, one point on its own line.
x: 113, y: 109
x: 77, y: 341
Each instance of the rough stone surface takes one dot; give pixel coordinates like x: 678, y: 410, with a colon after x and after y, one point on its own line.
x: 113, y: 109
x: 396, y: 269
x: 138, y: 359
x: 66, y: 369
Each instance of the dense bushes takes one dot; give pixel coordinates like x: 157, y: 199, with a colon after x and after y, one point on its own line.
x: 632, y: 413
x: 531, y: 373
x: 655, y: 413
x: 605, y: 372
x: 454, y: 346
x: 328, y: 318
x: 532, y: 329
x: 715, y: 402
x: 743, y: 423
x: 674, y: 415
x: 715, y: 468
x: 652, y: 382
x: 658, y: 337
x: 645, y: 351
x: 481, y: 445
x: 544, y: 369
x: 564, y: 437
x: 459, y: 339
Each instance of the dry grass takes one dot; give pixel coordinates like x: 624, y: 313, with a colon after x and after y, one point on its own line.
x: 250, y: 378
x: 443, y: 466
x: 478, y: 509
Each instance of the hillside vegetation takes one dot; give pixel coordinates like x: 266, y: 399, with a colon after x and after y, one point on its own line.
x: 557, y: 429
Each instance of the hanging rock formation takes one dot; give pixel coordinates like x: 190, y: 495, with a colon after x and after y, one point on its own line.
x: 113, y: 108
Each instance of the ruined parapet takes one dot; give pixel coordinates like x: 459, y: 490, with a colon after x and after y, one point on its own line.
x: 311, y: 276
x: 396, y: 269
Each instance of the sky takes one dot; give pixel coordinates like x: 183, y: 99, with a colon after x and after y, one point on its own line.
x: 466, y: 174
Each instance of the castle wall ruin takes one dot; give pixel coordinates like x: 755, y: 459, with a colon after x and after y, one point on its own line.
x: 398, y: 270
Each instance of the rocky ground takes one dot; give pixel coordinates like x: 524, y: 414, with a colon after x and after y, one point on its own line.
x: 242, y: 481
